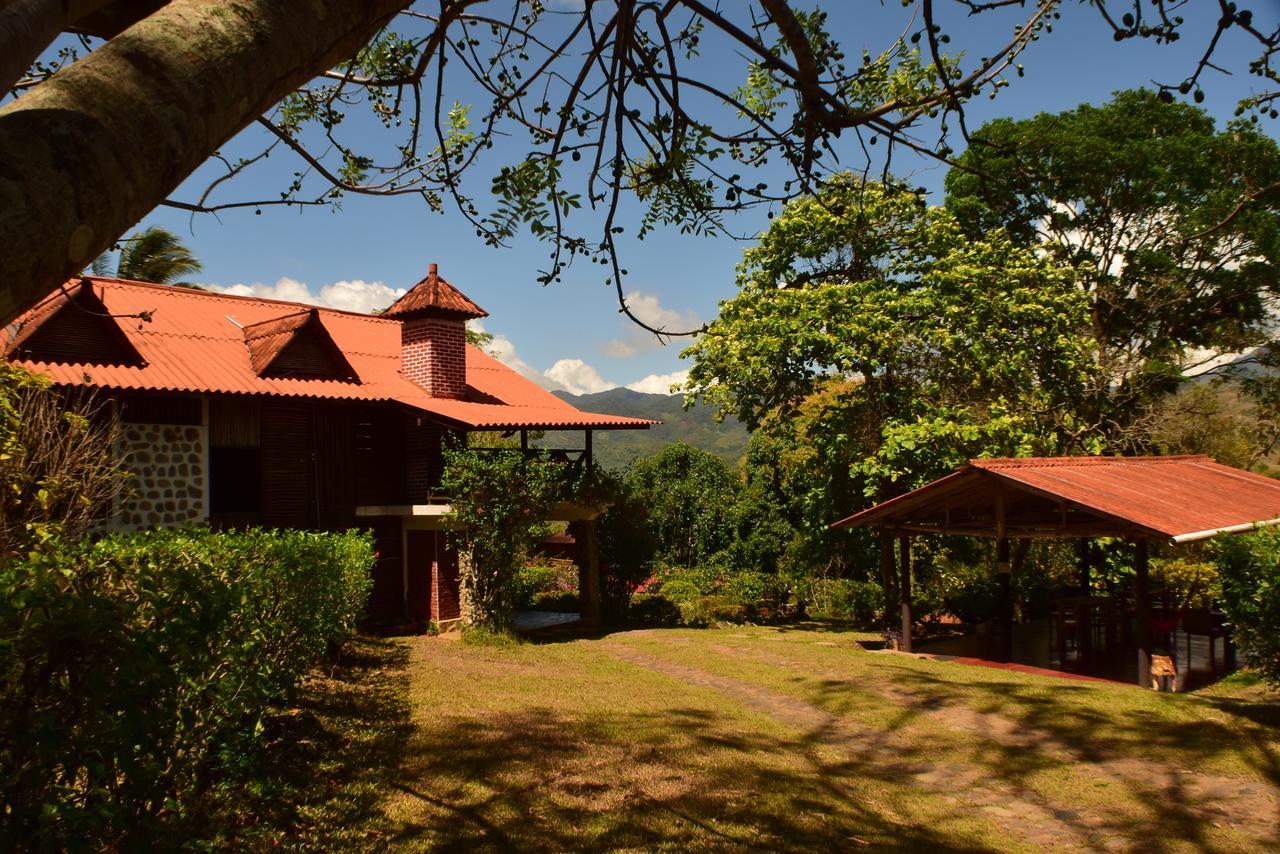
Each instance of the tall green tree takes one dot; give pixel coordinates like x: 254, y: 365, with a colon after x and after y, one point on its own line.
x: 1140, y: 199
x: 154, y: 254
x: 871, y: 328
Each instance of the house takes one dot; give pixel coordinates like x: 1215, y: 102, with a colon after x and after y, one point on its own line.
x: 245, y: 411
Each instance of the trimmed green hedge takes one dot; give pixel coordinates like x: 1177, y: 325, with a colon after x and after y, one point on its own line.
x: 135, y: 667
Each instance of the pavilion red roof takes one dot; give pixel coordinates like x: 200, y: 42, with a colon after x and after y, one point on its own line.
x: 1183, y: 498
x: 194, y: 341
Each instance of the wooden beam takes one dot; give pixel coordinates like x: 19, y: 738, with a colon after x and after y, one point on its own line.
x: 904, y: 567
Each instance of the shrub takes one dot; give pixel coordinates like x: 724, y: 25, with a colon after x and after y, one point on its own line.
x: 1249, y: 568
x: 648, y: 609
x: 555, y: 600
x: 556, y: 579
x: 845, y: 599
x: 499, y: 499
x: 133, y: 667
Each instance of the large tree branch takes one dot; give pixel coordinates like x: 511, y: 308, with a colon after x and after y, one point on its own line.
x: 122, y: 127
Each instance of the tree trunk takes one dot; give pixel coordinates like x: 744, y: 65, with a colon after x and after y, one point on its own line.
x: 89, y: 152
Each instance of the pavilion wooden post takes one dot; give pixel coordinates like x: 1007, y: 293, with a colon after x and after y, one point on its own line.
x: 1142, y: 601
x: 888, y: 577
x: 1004, y: 581
x: 904, y: 588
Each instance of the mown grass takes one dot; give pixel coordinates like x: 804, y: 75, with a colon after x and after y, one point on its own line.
x: 425, y: 743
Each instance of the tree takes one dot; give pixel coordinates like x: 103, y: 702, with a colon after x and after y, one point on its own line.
x: 618, y: 100
x: 689, y: 494
x: 1140, y: 198
x: 891, y: 346
x: 499, y: 499
x: 155, y: 255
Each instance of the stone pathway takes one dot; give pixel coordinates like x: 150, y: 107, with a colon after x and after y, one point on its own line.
x: 1026, y: 815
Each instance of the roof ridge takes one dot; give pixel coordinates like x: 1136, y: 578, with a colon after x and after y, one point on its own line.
x: 176, y: 290
x: 1085, y: 460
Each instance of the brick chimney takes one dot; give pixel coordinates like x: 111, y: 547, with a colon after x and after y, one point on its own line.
x: 433, y: 316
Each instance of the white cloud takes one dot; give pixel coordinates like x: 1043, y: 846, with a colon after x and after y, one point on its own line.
x: 659, y: 383
x: 348, y: 295
x: 649, y: 309
x: 577, y: 377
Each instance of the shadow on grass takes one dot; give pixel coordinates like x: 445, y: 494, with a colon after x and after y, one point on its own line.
x: 535, y: 779
x: 1138, y: 732
x: 320, y: 779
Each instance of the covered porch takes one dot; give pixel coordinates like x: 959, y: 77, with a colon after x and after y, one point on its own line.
x: 1147, y: 502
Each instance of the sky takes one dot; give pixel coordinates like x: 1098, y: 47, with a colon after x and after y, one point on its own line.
x: 569, y: 334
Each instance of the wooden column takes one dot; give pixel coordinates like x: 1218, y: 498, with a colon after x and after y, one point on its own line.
x: 524, y: 441
x: 888, y: 577
x: 904, y: 588
x: 1003, y: 634
x: 1142, y: 601
x: 587, y: 452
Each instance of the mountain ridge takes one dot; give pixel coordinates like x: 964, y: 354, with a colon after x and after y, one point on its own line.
x: 615, y: 449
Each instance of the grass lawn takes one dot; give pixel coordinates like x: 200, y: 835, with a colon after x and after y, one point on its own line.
x: 767, y: 738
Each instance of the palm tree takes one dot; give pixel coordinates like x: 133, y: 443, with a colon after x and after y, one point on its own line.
x: 154, y: 254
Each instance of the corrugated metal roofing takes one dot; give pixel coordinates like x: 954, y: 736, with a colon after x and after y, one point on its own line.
x: 1182, y: 498
x: 433, y: 295
x: 195, y: 342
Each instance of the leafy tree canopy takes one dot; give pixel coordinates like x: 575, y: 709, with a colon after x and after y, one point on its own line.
x: 874, y: 326
x: 1141, y: 199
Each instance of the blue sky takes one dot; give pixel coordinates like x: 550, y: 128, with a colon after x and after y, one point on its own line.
x: 570, y: 334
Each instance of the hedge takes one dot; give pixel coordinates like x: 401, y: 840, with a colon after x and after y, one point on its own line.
x: 134, y: 668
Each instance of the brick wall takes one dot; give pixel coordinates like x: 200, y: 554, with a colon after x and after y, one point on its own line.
x: 433, y: 355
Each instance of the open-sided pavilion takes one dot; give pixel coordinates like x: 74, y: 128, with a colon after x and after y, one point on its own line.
x: 1144, y: 500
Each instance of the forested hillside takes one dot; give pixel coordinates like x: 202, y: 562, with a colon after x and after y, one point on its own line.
x: 616, y: 448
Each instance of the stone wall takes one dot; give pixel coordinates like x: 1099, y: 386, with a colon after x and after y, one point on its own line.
x: 170, y: 483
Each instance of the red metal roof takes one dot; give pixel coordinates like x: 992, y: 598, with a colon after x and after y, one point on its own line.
x: 195, y: 342
x: 433, y: 295
x: 1183, y: 498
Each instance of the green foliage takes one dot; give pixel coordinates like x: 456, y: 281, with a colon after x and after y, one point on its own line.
x: 688, y: 494
x: 58, y: 471
x: 1250, y: 578
x: 860, y: 602
x: 1137, y: 198
x: 551, y: 586
x: 710, y: 594
x: 874, y: 346
x: 500, y: 498
x: 134, y: 667
x: 154, y: 254
x: 1194, y: 583
x: 649, y: 609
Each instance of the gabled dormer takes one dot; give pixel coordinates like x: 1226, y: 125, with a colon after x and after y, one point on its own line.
x: 74, y: 327
x: 433, y: 336
x: 296, y: 346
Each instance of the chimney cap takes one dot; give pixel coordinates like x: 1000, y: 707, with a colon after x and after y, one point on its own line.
x: 435, y: 297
